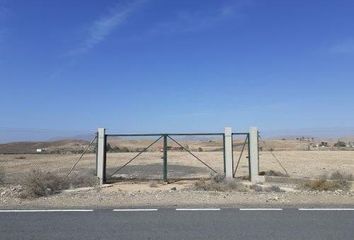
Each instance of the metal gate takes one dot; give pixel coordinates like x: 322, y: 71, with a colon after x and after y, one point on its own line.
x: 168, y: 156
x: 163, y: 156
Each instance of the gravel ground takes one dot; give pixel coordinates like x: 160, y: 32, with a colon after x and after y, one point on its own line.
x: 176, y: 194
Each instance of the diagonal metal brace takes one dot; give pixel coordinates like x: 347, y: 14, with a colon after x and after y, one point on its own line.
x: 192, y: 154
x: 144, y: 150
x: 83, y: 153
x: 239, y: 159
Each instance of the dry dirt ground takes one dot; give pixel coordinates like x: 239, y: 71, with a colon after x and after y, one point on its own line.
x: 300, y: 164
x: 178, y: 194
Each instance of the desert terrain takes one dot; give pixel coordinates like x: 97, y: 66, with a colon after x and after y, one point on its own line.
x: 139, y: 183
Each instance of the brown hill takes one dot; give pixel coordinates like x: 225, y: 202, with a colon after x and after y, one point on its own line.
x: 69, y: 145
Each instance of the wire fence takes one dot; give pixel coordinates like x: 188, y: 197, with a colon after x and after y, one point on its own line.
x: 305, y: 157
x: 189, y: 156
x: 62, y: 157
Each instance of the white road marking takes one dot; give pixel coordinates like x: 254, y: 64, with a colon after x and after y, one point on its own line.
x: 326, y: 209
x: 44, y: 210
x: 261, y: 209
x: 136, y: 210
x: 198, y: 209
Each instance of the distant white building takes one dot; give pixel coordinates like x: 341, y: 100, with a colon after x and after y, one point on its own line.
x: 39, y: 150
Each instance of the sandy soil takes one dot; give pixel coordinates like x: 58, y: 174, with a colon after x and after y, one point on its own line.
x: 300, y: 164
x: 177, y: 194
x: 303, y: 164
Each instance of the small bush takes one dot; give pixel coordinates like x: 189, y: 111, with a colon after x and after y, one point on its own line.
x: 272, y: 173
x: 337, y: 181
x: 259, y: 188
x: 124, y: 149
x: 219, y: 184
x: 340, y: 144
x: 337, y: 175
x: 38, y: 183
x: 200, y: 149
x: 218, y: 178
x: 321, y: 185
x: 256, y: 188
x: 273, y: 188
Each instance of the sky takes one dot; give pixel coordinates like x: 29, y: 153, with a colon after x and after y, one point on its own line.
x: 69, y: 67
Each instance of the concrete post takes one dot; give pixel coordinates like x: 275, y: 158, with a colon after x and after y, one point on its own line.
x: 101, y: 155
x: 254, y: 157
x: 228, y: 153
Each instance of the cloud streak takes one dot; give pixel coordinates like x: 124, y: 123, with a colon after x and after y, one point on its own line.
x: 104, y: 26
x: 191, y: 21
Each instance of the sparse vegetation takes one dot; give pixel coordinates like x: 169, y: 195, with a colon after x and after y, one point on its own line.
x: 220, y: 184
x: 273, y: 188
x: 337, y: 175
x: 272, y: 173
x: 340, y: 144
x: 38, y: 183
x: 256, y: 188
x: 259, y: 188
x: 218, y: 178
x: 124, y: 149
x: 333, y: 182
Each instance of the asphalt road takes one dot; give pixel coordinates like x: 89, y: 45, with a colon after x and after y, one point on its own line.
x: 172, y: 224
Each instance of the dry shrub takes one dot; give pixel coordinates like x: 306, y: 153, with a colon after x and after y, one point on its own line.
x: 259, y: 188
x: 337, y: 175
x: 218, y: 178
x: 273, y: 173
x: 333, y: 182
x: 321, y: 185
x: 256, y: 188
x: 273, y: 188
x: 38, y: 183
x: 219, y: 184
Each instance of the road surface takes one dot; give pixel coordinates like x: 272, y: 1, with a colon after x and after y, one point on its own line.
x: 178, y: 224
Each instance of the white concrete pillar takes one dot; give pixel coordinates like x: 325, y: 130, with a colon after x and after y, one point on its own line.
x: 228, y: 153
x: 254, y: 157
x: 101, y: 155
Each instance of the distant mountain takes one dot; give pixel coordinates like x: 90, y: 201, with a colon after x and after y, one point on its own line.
x: 61, y: 146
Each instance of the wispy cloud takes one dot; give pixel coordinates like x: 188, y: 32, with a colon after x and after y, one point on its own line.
x: 343, y: 47
x: 190, y: 21
x: 100, y: 29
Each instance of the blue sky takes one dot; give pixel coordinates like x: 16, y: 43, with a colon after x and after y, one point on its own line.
x: 162, y: 66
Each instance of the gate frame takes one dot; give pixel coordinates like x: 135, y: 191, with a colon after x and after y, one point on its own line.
x: 101, y: 157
